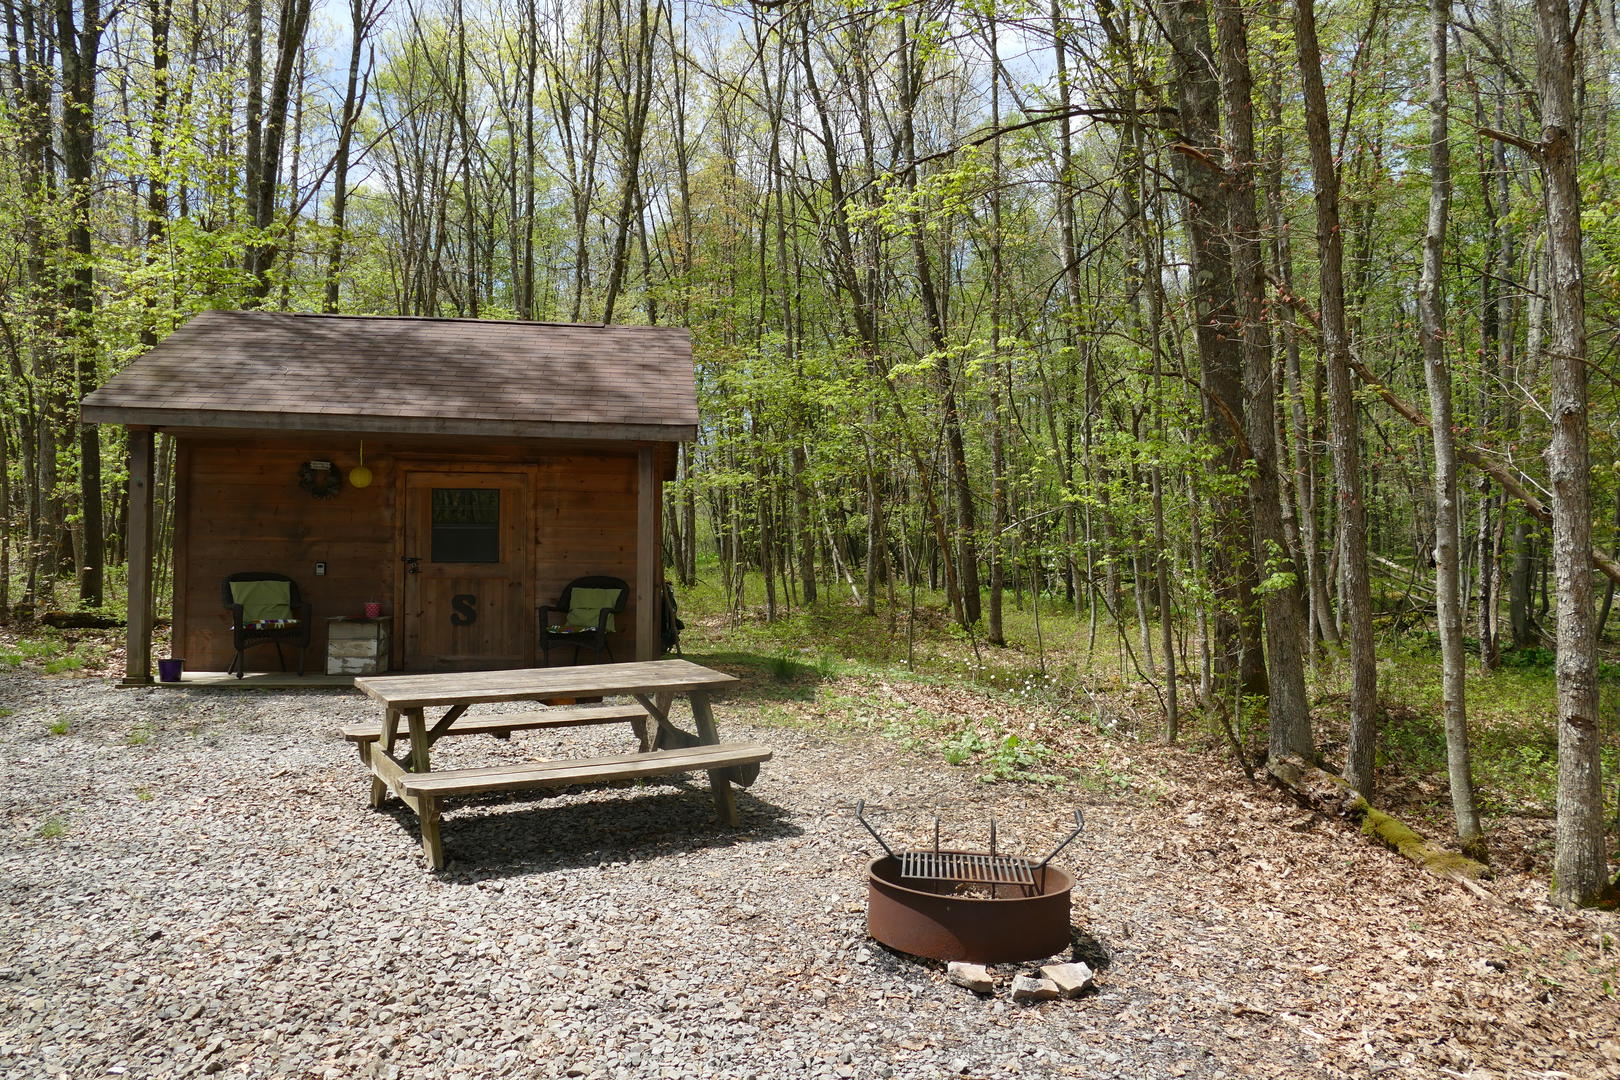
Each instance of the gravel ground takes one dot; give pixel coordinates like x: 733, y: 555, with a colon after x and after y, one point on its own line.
x: 192, y: 884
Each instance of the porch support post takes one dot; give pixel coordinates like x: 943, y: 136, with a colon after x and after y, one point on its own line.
x: 646, y: 556
x: 138, y: 545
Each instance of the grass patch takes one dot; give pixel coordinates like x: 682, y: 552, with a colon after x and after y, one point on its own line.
x: 58, y: 652
x: 51, y: 828
x: 58, y: 665
x: 139, y: 735
x: 1511, y: 717
x: 59, y: 726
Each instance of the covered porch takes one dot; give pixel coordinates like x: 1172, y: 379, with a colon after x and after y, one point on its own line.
x: 459, y: 474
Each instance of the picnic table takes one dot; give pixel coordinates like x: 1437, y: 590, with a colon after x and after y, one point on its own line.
x: 664, y: 749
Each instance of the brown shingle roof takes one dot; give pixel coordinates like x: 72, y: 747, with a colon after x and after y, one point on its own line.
x: 278, y: 371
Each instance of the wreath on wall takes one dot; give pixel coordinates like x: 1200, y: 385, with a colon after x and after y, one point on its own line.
x: 321, y: 483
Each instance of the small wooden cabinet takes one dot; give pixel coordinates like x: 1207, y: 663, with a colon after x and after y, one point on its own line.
x: 356, y: 646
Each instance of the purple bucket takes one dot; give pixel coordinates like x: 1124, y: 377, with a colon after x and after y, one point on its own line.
x: 169, y: 670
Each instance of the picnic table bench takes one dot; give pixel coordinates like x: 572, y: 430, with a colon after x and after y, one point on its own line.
x: 664, y: 748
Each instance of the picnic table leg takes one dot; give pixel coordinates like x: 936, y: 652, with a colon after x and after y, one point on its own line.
x: 419, y: 740
x: 725, y: 800
x: 743, y: 775
x: 704, y: 717
x: 427, y: 806
x: 658, y: 727
x: 648, y: 728
x: 431, y: 845
x: 379, y: 790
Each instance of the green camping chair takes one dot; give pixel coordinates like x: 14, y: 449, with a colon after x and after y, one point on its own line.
x: 265, y: 607
x: 583, y: 617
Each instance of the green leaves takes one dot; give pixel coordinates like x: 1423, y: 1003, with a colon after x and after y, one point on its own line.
x: 1278, y: 573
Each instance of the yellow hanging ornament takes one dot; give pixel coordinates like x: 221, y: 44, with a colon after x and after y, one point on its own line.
x: 360, y: 476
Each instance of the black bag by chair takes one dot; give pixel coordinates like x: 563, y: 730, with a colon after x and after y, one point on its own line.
x: 669, y: 623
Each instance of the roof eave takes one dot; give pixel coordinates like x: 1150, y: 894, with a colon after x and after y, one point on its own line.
x: 371, y: 423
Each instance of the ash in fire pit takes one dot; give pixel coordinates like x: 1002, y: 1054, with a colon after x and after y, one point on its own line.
x: 979, y: 907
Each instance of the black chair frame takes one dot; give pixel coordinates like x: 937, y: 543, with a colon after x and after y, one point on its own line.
x: 594, y: 638
x: 242, y: 636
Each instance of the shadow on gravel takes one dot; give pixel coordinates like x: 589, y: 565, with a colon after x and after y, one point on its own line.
x: 534, y: 833
x: 1088, y: 950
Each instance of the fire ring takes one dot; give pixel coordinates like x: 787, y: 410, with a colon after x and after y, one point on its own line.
x: 974, y: 906
x: 949, y: 925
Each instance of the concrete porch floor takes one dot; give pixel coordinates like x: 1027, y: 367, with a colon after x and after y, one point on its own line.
x: 257, y: 680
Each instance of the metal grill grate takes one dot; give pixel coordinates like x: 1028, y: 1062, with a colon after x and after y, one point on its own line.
x: 965, y: 868
x: 968, y: 867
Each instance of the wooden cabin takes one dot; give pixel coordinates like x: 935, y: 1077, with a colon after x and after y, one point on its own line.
x: 505, y: 459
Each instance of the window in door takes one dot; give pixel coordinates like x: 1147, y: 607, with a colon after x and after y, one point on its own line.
x: 466, y: 525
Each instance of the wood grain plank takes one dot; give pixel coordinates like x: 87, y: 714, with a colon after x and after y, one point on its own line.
x: 583, y: 770
x: 574, y: 716
x: 647, y: 558
x: 138, y: 635
x: 392, y: 774
x: 472, y: 687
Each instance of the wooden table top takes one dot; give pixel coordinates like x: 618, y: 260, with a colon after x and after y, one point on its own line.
x: 524, y: 684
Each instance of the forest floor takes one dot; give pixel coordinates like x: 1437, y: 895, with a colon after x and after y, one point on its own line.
x: 195, y: 886
x: 1114, y: 687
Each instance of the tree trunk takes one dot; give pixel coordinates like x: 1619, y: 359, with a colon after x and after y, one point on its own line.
x: 998, y: 370
x: 965, y: 560
x: 1329, y: 794
x: 157, y: 185
x: 1219, y: 331
x: 362, y: 14
x: 1288, y: 709
x: 874, y: 527
x: 1357, y: 606
x: 637, y: 98
x: 1081, y: 593
x: 79, y: 46
x: 1580, y: 871
x: 1447, y: 523
x: 253, y: 121
x: 1319, y: 610
x: 263, y: 180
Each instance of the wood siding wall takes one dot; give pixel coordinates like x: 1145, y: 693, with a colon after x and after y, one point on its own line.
x: 240, y: 508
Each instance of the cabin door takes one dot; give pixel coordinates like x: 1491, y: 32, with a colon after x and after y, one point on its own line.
x: 467, y: 577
